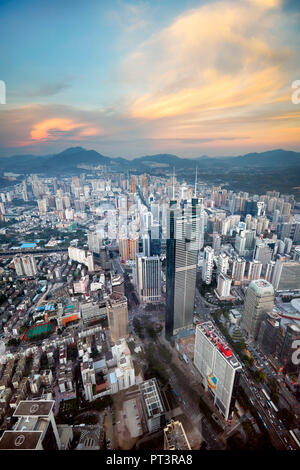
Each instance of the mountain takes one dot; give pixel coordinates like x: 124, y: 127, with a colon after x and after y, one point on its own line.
x: 70, y: 159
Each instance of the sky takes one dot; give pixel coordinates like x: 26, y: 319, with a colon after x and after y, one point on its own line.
x: 133, y: 78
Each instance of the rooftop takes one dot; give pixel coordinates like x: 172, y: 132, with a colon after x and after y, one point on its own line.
x: 18, y: 440
x: 40, y: 408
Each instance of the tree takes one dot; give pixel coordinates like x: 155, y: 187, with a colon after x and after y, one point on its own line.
x: 13, y: 342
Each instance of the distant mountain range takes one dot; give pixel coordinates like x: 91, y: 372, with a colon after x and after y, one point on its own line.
x: 72, y: 158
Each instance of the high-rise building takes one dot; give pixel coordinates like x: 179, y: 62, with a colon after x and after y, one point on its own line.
x: 292, y: 334
x: 35, y: 429
x: 152, y: 404
x: 218, y: 367
x: 286, y: 275
x: 117, y: 314
x: 269, y: 271
x: 259, y: 300
x: 148, y: 277
x: 254, y: 271
x: 182, y: 257
x: 82, y: 256
x: 94, y: 242
x: 223, y: 287
x: 25, y: 265
x: 222, y: 264
x: 128, y: 247
x: 216, y: 243
x: 208, y: 264
x: 268, y: 332
x: 133, y: 184
x: 238, y: 269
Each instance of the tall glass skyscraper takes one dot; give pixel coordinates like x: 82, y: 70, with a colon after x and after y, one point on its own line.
x: 182, y: 257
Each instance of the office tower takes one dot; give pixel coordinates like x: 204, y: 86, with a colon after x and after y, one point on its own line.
x: 238, y: 269
x: 155, y: 239
x: 35, y: 429
x: 268, y: 332
x: 259, y: 300
x: 94, y: 242
x: 148, y: 277
x: 25, y: 265
x: 208, y: 264
x: 218, y: 367
x: 286, y: 275
x: 175, y: 437
x: 117, y: 314
x: 182, y: 257
x: 254, y: 271
x: 223, y: 287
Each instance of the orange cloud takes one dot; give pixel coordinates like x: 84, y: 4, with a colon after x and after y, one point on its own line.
x: 47, y: 129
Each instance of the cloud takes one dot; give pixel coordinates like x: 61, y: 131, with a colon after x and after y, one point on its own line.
x: 212, y: 69
x: 43, y: 91
x: 213, y: 57
x: 57, y: 128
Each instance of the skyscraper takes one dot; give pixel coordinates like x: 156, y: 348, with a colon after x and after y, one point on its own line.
x: 208, y: 264
x: 259, y: 301
x: 182, y: 256
x: 218, y: 367
x: 148, y: 278
x: 286, y: 275
x: 117, y: 314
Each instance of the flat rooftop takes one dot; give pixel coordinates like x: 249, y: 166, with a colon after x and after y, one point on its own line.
x: 40, y: 408
x: 20, y: 440
x: 151, y: 398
